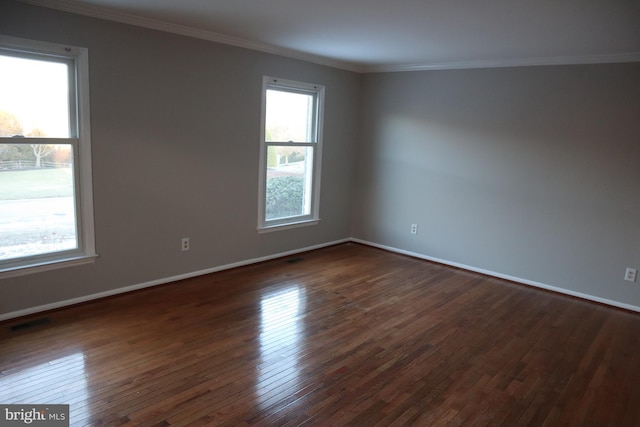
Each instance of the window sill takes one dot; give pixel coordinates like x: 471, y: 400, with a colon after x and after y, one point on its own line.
x: 287, y: 225
x: 47, y: 265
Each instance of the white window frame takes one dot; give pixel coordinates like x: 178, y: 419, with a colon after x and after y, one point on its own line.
x: 80, y: 140
x: 315, y: 144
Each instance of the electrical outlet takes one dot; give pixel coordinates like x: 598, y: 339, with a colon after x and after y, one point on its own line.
x: 414, y: 228
x: 185, y: 244
x: 630, y: 274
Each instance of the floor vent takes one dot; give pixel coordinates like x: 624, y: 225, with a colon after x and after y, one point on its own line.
x: 294, y: 260
x: 30, y: 324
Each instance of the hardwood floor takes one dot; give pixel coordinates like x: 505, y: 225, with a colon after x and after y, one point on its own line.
x: 346, y: 335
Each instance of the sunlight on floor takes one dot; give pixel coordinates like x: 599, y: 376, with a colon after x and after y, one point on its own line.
x: 59, y: 381
x: 282, y: 330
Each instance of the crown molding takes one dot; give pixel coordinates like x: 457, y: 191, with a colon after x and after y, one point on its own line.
x: 155, y: 24
x: 502, y: 63
x: 76, y: 7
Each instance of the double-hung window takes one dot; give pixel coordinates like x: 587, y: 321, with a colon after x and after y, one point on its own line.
x: 290, y: 153
x: 46, y: 206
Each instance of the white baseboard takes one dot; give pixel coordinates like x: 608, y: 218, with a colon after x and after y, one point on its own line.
x: 503, y: 276
x: 162, y: 281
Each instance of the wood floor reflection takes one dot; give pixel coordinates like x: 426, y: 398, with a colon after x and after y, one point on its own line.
x: 346, y: 335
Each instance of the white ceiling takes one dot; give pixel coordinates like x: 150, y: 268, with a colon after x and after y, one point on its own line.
x: 388, y: 35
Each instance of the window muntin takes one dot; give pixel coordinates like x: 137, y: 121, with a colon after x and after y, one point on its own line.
x: 290, y: 153
x: 46, y: 206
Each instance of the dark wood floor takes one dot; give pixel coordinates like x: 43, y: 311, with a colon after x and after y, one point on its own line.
x: 346, y: 335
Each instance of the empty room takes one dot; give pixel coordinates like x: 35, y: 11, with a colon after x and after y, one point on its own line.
x: 291, y: 213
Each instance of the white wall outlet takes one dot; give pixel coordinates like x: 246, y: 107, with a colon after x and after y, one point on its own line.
x: 414, y: 228
x: 630, y: 274
x: 185, y: 243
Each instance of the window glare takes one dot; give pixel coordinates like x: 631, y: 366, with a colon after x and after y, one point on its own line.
x: 34, y: 98
x: 289, y: 117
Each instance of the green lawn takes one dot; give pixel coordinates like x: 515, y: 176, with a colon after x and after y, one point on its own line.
x: 36, y: 183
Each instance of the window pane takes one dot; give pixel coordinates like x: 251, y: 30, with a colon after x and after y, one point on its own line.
x: 34, y: 98
x: 289, y: 117
x: 288, y: 181
x: 37, y: 210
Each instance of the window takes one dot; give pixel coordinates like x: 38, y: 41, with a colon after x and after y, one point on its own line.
x: 290, y: 153
x: 46, y: 204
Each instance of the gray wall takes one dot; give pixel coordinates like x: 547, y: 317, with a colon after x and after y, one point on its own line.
x: 528, y: 172
x: 175, y: 138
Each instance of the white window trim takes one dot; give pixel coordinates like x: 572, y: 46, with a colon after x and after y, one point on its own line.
x: 81, y: 142
x: 313, y: 218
